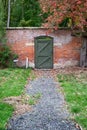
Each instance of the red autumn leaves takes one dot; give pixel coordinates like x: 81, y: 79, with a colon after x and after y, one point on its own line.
x: 58, y: 10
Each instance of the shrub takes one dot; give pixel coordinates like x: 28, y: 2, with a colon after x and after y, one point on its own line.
x: 6, y: 56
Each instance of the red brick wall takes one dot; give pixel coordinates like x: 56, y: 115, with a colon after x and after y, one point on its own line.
x: 66, y: 47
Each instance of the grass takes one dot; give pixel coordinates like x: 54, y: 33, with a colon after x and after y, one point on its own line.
x: 12, y: 82
x: 33, y: 99
x: 75, y: 91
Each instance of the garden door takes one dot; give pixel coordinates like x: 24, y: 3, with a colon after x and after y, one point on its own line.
x: 43, y: 52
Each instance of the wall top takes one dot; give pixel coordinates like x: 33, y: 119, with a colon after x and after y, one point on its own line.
x: 33, y: 28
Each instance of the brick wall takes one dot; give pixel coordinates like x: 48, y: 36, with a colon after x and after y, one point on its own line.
x: 66, y: 47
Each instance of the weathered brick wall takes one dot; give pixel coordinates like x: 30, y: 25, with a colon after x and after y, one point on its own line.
x: 66, y: 47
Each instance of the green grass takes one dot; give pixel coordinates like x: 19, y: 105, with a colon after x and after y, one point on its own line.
x: 5, y: 112
x: 33, y: 99
x: 75, y: 91
x: 12, y: 82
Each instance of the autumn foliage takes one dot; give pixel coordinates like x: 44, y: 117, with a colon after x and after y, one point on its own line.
x: 58, y: 10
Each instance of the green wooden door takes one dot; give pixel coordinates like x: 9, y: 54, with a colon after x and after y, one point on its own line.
x: 44, y: 52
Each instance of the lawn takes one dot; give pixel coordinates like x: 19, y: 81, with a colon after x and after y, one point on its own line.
x: 75, y: 91
x: 12, y: 83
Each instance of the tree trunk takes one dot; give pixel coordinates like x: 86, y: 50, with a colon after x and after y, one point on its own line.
x: 8, y: 20
x: 83, y: 56
x: 22, y: 9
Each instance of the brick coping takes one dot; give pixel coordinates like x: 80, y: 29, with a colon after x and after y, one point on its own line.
x: 33, y: 28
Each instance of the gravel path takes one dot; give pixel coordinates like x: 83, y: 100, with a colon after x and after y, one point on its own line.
x: 49, y: 113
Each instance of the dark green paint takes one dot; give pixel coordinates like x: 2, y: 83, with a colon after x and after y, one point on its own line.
x: 44, y: 52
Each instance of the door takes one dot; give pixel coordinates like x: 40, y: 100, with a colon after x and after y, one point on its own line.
x: 44, y: 52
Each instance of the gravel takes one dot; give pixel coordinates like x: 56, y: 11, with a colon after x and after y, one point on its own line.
x: 49, y: 113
